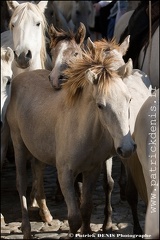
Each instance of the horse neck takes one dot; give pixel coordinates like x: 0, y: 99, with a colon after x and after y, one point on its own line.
x: 36, y: 64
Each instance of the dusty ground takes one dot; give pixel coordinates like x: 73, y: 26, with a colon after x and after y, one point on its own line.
x: 10, y: 208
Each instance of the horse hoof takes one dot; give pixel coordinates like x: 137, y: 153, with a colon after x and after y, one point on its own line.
x: 107, y: 228
x: 46, y: 216
x: 2, y: 220
x: 27, y: 237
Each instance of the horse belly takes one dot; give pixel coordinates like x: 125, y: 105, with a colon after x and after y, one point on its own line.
x: 36, y: 139
x: 29, y: 116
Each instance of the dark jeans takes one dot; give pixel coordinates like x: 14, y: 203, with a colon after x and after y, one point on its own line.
x: 110, y: 29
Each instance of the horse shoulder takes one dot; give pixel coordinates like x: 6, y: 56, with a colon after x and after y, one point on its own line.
x: 122, y: 24
x: 147, y: 136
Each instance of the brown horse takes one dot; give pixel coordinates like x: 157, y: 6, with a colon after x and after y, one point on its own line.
x: 65, y: 46
x: 76, y: 129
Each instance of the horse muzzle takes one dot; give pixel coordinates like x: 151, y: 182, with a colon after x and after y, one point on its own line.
x: 126, y: 152
x: 22, y: 61
x: 56, y: 83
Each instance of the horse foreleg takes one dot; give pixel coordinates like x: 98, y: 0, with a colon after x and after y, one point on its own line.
x: 4, y: 142
x: 33, y: 193
x: 122, y: 182
x: 39, y: 188
x: 89, y: 183
x: 66, y: 181
x: 108, y: 184
x: 21, y: 182
x: 132, y: 198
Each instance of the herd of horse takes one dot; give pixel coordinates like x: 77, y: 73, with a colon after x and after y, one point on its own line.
x: 76, y: 104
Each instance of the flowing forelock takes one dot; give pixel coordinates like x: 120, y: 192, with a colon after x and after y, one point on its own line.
x: 107, y: 45
x: 76, y: 73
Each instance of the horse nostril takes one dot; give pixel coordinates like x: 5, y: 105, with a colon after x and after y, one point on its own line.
x: 134, y: 147
x: 119, y: 151
x: 60, y: 77
x: 29, y: 54
x: 9, y: 81
x: 15, y: 55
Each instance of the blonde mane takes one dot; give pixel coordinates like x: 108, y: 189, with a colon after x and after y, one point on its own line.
x: 76, y: 71
x: 107, y: 45
x: 22, y: 10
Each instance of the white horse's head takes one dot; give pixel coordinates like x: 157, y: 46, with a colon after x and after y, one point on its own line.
x: 110, y: 48
x: 7, y: 57
x: 113, y: 103
x: 28, y: 25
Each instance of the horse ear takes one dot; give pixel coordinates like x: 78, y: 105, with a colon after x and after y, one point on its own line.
x: 80, y: 34
x: 90, y: 45
x: 91, y: 76
x: 124, y: 45
x: 42, y: 5
x: 12, y: 5
x: 52, y: 31
x: 126, y: 69
x: 9, y: 56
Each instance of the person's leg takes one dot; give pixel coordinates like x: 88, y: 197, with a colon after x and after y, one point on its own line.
x: 110, y: 29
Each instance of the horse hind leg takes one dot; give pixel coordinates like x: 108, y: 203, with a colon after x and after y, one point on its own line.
x: 108, y: 184
x: 38, y: 186
x: 66, y: 181
x: 132, y: 198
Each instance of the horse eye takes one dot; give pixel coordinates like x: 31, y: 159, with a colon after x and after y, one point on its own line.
x: 12, y: 25
x: 100, y: 106
x: 106, y: 51
x: 38, y: 24
x: 130, y: 100
x: 75, y: 54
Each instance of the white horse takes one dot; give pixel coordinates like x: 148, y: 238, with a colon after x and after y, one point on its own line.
x: 146, y: 135
x: 27, y: 36
x: 76, y: 12
x: 148, y: 60
x: 7, y: 57
x: 139, y: 86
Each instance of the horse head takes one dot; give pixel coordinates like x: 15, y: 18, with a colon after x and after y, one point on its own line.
x: 28, y: 25
x: 113, y: 104
x: 7, y: 57
x: 65, y: 46
x: 83, y: 11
